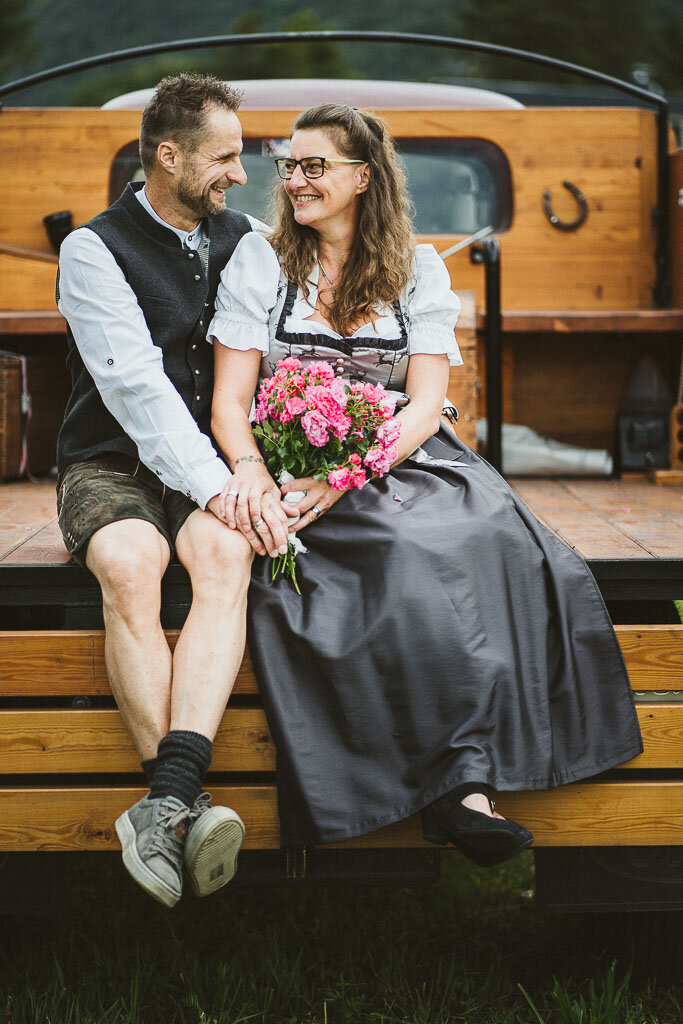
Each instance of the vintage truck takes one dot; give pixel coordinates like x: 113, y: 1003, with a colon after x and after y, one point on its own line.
x: 562, y: 230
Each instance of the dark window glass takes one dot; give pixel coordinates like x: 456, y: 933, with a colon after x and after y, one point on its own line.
x: 457, y: 185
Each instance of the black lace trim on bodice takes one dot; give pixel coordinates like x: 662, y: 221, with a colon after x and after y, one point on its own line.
x: 345, y: 345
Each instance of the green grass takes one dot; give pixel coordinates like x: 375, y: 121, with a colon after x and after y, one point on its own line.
x: 455, y: 952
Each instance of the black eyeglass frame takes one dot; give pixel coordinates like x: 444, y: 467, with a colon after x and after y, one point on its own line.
x: 280, y: 162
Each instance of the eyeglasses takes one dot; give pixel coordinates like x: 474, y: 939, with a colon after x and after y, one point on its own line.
x: 311, y: 166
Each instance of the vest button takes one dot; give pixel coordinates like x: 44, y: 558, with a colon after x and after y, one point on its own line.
x: 197, y: 277
x: 190, y: 255
x: 194, y: 347
x: 199, y: 398
x: 197, y: 372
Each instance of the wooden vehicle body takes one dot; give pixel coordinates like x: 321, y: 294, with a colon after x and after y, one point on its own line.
x: 577, y: 310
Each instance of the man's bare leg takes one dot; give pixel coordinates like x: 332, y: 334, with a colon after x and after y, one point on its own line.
x: 129, y: 558
x: 210, y: 648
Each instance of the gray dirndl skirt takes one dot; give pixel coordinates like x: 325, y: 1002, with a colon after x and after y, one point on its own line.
x: 443, y: 635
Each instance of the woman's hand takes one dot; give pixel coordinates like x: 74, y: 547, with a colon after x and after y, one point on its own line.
x: 250, y: 502
x: 319, y: 498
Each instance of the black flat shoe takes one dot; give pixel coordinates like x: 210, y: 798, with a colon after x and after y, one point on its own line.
x: 485, y: 840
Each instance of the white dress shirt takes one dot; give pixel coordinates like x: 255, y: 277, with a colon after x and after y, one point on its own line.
x: 114, y: 342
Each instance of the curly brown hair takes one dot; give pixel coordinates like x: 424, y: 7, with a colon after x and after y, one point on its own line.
x: 378, y: 265
x: 178, y: 109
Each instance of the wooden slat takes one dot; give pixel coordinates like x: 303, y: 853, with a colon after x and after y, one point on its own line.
x: 653, y: 656
x: 32, y: 321
x: 584, y: 814
x: 39, y: 741
x: 97, y: 741
x: 601, y: 814
x: 661, y: 726
x: 565, y: 321
x: 71, y: 662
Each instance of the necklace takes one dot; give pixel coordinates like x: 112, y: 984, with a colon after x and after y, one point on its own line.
x: 322, y: 269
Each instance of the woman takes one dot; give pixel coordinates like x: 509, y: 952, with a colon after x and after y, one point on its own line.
x: 444, y: 640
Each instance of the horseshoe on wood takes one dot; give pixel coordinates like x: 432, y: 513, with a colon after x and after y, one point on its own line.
x: 566, y: 225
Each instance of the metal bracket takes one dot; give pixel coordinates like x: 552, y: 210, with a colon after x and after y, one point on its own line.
x: 566, y: 225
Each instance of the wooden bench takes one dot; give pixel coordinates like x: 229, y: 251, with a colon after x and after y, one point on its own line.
x: 61, y: 765
x: 68, y: 768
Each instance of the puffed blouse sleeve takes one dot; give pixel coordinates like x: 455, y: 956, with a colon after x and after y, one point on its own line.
x: 247, y: 293
x: 432, y: 308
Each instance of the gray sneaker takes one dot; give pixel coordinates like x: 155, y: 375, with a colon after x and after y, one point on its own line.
x: 152, y: 834
x: 214, y: 837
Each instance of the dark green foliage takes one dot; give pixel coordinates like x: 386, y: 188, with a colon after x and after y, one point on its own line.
x: 16, y: 42
x: 612, y: 36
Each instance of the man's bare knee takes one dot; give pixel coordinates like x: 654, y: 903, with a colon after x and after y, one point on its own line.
x: 215, y: 555
x: 129, y: 558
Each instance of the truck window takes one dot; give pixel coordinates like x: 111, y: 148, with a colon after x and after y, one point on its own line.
x: 457, y: 185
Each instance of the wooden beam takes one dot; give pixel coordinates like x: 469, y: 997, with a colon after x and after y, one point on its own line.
x: 71, y: 662
x: 32, y: 321
x: 591, y: 321
x: 39, y: 741
x: 584, y: 814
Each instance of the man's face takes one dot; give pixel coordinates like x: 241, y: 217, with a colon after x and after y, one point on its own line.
x: 213, y: 166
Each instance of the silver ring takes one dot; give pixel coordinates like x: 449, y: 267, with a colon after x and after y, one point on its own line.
x: 261, y: 522
x: 234, y: 494
x: 316, y: 511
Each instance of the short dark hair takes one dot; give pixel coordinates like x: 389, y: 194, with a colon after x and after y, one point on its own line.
x: 177, y: 111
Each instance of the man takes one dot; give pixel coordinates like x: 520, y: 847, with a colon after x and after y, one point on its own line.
x: 139, y: 477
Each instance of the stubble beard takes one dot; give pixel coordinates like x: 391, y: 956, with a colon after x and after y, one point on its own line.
x: 198, y: 204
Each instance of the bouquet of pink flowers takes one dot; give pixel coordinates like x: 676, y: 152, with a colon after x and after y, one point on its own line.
x: 311, y: 423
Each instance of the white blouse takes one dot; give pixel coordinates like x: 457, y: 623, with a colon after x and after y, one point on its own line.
x: 251, y: 296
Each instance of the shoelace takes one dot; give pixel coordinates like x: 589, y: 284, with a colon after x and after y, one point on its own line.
x: 200, y: 806
x: 165, y: 839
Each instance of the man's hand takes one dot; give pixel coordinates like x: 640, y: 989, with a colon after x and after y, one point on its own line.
x: 250, y: 502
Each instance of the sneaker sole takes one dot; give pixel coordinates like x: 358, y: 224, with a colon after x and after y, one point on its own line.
x: 211, y: 850
x: 137, y: 868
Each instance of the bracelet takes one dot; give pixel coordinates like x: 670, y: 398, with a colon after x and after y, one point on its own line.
x: 249, y: 458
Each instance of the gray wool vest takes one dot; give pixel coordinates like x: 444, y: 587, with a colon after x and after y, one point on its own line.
x: 177, y: 299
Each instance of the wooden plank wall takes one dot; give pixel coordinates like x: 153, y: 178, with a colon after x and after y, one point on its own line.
x: 53, y: 159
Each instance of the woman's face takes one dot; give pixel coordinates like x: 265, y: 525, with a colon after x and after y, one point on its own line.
x: 333, y: 199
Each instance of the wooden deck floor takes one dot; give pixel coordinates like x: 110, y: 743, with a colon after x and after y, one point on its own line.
x: 609, y: 520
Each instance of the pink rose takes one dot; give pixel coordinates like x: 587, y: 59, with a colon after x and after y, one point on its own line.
x: 378, y: 461
x: 341, y: 426
x: 316, y: 428
x: 295, y: 406
x: 338, y: 392
x: 355, y: 460
x: 389, y: 431
x: 369, y: 392
x: 359, y: 478
x: 321, y: 370
x: 339, y: 479
x: 290, y: 363
x: 323, y: 401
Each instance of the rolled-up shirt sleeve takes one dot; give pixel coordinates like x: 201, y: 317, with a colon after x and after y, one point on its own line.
x: 432, y: 308
x: 246, y: 296
x: 114, y: 342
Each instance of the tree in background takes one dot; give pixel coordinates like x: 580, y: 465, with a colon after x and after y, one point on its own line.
x: 612, y: 36
x: 270, y: 60
x: 282, y: 60
x: 15, y: 34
